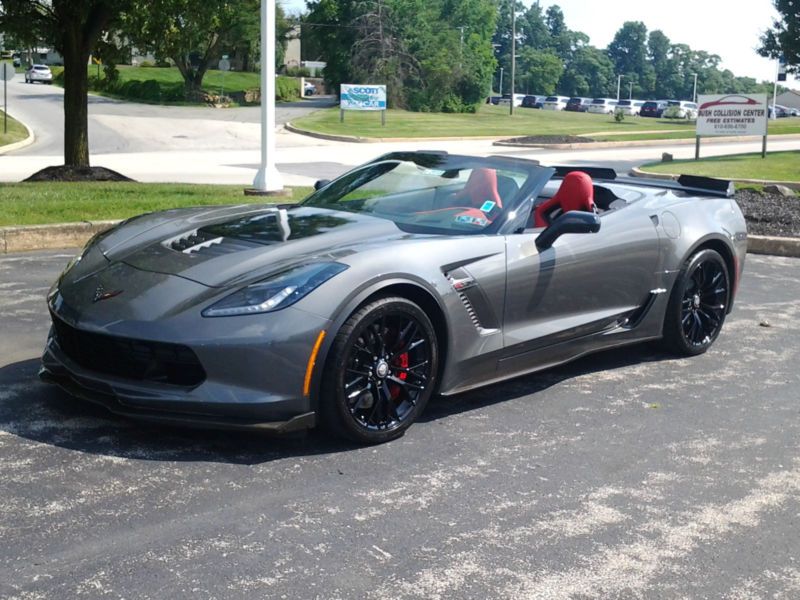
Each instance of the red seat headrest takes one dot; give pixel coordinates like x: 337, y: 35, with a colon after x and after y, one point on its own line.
x: 481, y: 186
x: 576, y: 193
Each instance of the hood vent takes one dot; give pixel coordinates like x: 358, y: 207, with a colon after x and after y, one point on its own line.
x: 203, y: 243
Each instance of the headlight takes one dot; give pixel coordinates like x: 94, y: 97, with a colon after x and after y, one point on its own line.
x: 277, y: 292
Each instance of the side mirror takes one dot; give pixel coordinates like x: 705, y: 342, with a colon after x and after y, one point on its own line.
x: 321, y: 184
x: 574, y: 221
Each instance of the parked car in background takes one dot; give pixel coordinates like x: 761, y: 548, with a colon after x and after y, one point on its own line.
x: 16, y: 59
x: 680, y: 109
x: 506, y: 100
x: 555, y: 103
x: 793, y: 112
x: 309, y: 89
x: 493, y: 100
x: 578, y: 104
x: 653, y: 108
x: 604, y: 106
x: 533, y: 101
x: 780, y: 111
x: 629, y: 108
x: 40, y: 73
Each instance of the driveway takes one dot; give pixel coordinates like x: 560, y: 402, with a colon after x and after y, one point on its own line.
x: 627, y: 474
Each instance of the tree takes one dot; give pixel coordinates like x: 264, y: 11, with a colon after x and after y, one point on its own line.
x: 628, y: 52
x: 73, y: 28
x: 191, y: 33
x: 539, y: 72
x: 783, y: 39
x: 589, y: 73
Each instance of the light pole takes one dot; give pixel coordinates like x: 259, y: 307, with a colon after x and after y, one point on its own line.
x: 630, y: 90
x: 501, y: 81
x: 619, y: 83
x: 694, y: 93
x: 513, y: 53
x: 268, y: 179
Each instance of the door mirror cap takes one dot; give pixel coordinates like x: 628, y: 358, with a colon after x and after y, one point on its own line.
x: 321, y: 184
x: 574, y: 221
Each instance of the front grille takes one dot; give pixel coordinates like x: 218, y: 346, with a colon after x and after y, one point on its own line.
x: 138, y: 360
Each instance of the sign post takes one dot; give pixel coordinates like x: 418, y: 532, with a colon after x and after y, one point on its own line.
x: 6, y: 74
x: 732, y: 115
x: 224, y: 66
x: 362, y: 97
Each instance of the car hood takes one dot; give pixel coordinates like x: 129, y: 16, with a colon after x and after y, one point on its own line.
x: 231, y: 247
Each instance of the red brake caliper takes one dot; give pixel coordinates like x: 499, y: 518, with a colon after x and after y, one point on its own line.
x: 402, y: 361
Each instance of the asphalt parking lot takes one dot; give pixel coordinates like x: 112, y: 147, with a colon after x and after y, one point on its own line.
x: 627, y: 474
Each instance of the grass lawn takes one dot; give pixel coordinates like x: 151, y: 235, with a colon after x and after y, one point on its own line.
x: 170, y: 85
x: 495, y: 121
x: 778, y: 166
x: 779, y: 127
x: 42, y: 203
x: 234, y: 81
x: 489, y: 121
x: 16, y: 132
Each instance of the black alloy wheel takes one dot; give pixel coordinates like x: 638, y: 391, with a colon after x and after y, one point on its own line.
x: 698, y: 304
x: 381, y: 371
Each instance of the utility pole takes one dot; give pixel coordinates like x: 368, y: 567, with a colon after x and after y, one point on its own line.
x: 630, y: 90
x: 513, y: 52
x: 619, y: 83
x: 461, y: 49
x: 694, y: 93
x: 501, y: 81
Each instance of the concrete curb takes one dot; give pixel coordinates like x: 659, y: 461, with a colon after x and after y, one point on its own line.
x: 773, y: 246
x: 363, y: 140
x: 22, y: 143
x: 635, y: 143
x: 73, y: 235
x: 637, y: 172
x: 47, y: 237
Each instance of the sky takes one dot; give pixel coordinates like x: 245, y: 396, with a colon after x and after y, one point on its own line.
x: 728, y: 28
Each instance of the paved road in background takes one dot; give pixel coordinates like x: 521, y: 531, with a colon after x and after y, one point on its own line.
x: 202, y: 145
x: 627, y: 474
x: 113, y: 123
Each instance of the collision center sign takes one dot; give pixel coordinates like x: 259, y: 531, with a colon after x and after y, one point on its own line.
x: 732, y: 114
x: 363, y: 97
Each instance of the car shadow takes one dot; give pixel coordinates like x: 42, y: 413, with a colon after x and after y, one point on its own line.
x: 45, y: 414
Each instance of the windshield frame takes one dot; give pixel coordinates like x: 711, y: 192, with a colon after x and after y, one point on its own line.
x: 537, y: 177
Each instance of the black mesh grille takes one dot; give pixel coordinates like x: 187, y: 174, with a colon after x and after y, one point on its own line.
x: 128, y: 358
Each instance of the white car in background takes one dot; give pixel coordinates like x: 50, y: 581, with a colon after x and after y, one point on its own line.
x: 506, y: 100
x: 603, y: 106
x: 629, y: 108
x: 555, y: 103
x: 40, y: 73
x: 680, y: 109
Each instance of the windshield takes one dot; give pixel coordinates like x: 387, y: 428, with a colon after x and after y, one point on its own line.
x: 624, y: 103
x: 673, y: 103
x: 436, y: 193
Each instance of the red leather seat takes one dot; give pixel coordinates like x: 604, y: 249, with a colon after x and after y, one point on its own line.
x: 481, y: 187
x: 576, y: 193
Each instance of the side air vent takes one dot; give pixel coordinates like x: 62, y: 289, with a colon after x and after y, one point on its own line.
x: 470, y: 310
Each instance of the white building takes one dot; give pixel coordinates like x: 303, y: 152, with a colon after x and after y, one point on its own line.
x: 790, y: 98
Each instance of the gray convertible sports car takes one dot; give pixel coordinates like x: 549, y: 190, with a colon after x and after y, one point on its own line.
x: 417, y: 273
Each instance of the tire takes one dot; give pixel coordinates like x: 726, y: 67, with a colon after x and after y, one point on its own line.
x: 698, y: 304
x: 381, y: 372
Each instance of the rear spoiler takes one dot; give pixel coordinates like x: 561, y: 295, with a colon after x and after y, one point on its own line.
x: 686, y: 183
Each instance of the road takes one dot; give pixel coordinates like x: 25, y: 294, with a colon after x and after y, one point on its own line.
x: 624, y: 475
x: 201, y: 145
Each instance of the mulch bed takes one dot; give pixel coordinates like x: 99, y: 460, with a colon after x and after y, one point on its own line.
x: 77, y: 174
x: 770, y: 214
x: 549, y: 139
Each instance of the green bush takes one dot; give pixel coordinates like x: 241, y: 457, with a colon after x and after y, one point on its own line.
x: 619, y: 116
x: 298, y: 72
x: 287, y: 88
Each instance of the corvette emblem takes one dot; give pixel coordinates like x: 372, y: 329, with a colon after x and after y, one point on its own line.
x: 101, y: 294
